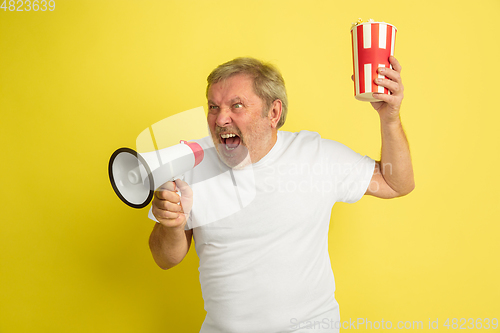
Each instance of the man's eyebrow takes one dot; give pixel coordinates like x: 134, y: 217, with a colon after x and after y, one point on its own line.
x: 236, y: 99
x: 231, y: 101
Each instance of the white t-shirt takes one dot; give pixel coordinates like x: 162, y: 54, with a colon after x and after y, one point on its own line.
x: 261, y: 233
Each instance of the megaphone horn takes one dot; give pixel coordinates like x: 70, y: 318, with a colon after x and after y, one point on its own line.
x: 135, y: 176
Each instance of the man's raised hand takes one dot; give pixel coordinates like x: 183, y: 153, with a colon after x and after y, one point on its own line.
x: 389, y: 106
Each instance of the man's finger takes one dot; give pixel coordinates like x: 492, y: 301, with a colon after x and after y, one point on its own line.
x: 384, y: 97
x: 393, y: 86
x: 167, y: 191
x: 395, y: 64
x: 167, y: 195
x: 167, y: 205
x: 161, y: 214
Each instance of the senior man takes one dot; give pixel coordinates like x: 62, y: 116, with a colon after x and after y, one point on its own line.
x: 265, y: 267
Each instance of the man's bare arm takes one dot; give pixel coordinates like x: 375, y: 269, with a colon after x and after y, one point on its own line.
x: 169, y: 242
x: 393, y: 175
x: 169, y: 246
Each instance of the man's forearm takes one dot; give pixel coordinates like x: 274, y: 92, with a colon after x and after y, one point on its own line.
x: 395, y: 162
x: 168, y: 245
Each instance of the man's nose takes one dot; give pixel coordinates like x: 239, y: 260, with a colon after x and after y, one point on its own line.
x: 224, y: 117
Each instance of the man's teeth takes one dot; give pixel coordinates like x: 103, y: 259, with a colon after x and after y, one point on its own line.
x: 227, y: 136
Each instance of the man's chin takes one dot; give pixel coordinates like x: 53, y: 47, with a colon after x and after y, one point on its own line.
x: 245, y: 162
x: 235, y: 159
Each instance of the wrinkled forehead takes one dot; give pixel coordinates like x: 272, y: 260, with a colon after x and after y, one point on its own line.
x: 241, y: 85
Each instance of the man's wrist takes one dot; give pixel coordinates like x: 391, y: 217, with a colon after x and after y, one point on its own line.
x: 391, y: 120
x: 171, y: 232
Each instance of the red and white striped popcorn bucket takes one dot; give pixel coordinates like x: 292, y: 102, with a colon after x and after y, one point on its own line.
x: 372, y: 44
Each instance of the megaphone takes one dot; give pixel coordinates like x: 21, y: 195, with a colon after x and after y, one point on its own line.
x: 135, y: 176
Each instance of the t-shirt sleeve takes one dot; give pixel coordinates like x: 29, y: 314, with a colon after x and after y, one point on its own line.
x: 352, y: 171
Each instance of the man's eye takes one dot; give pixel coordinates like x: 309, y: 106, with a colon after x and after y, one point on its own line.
x: 238, y: 105
x: 212, y: 107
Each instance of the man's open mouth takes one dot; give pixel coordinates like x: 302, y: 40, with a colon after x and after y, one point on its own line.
x: 230, y: 140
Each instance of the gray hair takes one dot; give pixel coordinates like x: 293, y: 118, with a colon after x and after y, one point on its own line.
x: 268, y: 83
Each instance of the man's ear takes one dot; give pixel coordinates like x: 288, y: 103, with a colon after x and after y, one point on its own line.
x: 274, y: 114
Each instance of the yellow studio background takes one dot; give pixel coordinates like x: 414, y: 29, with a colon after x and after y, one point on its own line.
x: 79, y: 82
